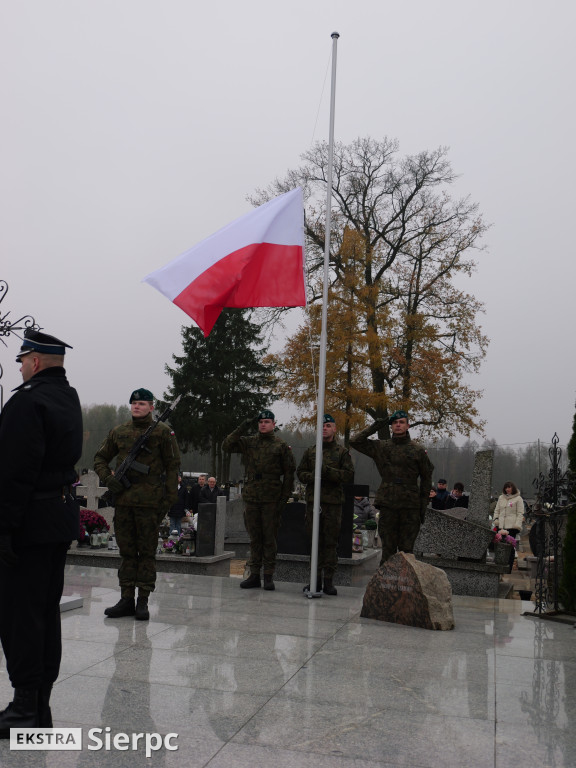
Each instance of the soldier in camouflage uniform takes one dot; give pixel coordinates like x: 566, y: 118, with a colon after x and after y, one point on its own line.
x: 337, y: 470
x: 140, y: 508
x: 269, y: 466
x: 401, y: 499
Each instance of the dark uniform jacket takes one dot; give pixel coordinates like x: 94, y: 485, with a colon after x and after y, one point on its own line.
x: 337, y: 470
x: 40, y: 443
x: 401, y: 464
x: 160, y: 486
x: 269, y: 465
x: 440, y: 501
x: 179, y: 508
x: 208, y: 495
x: 451, y: 502
x: 195, y: 492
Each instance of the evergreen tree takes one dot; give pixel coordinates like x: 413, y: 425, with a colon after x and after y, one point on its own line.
x: 568, y: 583
x: 572, y: 449
x: 223, y: 381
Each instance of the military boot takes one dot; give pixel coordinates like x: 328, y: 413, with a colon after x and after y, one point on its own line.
x: 124, y: 607
x: 142, y: 612
x: 44, y: 711
x: 329, y: 588
x: 251, y: 582
x: 269, y: 581
x: 22, y: 712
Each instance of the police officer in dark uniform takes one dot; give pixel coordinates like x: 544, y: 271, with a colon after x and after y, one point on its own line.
x: 269, y: 480
x: 40, y: 443
x: 403, y: 494
x: 337, y: 471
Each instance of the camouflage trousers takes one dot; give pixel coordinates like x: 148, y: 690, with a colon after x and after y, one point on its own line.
x: 262, y: 522
x: 136, y: 530
x: 328, y: 535
x: 398, y: 528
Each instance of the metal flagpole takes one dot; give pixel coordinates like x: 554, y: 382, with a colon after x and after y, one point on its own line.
x: 322, y: 369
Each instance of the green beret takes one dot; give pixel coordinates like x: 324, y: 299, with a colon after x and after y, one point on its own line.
x: 141, y: 394
x: 328, y: 419
x: 266, y: 415
x: 398, y: 415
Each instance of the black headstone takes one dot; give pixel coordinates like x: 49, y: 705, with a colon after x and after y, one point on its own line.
x: 206, y: 530
x: 292, y: 539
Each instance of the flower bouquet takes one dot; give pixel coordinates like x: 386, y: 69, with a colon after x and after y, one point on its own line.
x: 174, y: 546
x: 503, y: 537
x: 91, y: 523
x: 503, y: 547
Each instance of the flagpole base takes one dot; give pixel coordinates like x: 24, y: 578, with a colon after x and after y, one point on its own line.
x: 310, y: 594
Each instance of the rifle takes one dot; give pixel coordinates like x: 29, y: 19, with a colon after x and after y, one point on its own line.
x: 130, y: 461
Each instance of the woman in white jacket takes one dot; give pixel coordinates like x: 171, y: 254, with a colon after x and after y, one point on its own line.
x: 509, y: 511
x: 509, y: 514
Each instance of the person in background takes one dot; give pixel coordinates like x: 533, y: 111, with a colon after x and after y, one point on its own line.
x: 209, y: 492
x: 457, y: 498
x: 363, y: 510
x: 178, y: 510
x: 509, y: 513
x: 195, y: 492
x: 441, y: 495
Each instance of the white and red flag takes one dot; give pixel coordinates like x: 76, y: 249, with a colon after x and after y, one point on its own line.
x: 256, y: 261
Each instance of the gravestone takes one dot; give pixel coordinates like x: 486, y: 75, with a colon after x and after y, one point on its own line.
x: 235, y: 519
x: 220, y: 528
x: 91, y: 489
x: 479, y: 505
x: 457, y: 545
x: 210, y: 530
x: 406, y: 591
x: 292, y: 538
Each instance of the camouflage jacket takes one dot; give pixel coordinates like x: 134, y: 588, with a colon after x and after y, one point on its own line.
x: 401, y: 463
x: 266, y: 459
x: 161, y: 454
x: 337, y: 470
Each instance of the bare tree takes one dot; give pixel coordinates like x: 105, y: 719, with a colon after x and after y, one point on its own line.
x: 398, y: 242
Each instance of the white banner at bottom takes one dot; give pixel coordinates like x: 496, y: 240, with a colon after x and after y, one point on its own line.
x: 46, y: 738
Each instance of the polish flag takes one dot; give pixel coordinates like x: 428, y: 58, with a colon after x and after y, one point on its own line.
x: 256, y: 261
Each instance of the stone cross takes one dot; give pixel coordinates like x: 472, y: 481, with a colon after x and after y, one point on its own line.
x: 479, y: 506
x: 91, y: 489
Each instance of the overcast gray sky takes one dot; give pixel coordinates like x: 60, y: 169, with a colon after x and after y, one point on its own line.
x: 132, y: 129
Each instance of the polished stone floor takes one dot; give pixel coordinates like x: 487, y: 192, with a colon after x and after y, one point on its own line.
x: 254, y: 679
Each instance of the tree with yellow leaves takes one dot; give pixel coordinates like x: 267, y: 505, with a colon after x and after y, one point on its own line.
x: 401, y: 334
